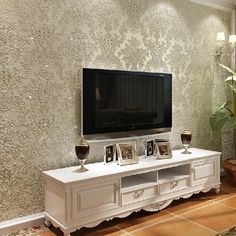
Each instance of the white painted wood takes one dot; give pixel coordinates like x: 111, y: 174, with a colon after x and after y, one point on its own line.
x: 104, y: 195
x: 172, y: 186
x: 173, y: 173
x: 99, y: 198
x: 91, y: 221
x: 108, y: 191
x: 204, y: 171
x: 21, y: 223
x: 139, y: 195
x: 136, y: 182
x: 99, y: 170
x: 47, y: 222
x: 55, y: 195
x: 172, y: 178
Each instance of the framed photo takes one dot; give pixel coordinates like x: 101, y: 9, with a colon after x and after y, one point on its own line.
x: 109, y: 154
x: 127, y: 153
x: 163, y: 149
x: 150, y: 148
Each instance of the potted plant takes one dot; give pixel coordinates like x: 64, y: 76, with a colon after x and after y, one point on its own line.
x: 225, y: 116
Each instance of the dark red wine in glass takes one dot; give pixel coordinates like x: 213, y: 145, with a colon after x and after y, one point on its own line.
x: 186, y: 138
x: 82, y: 151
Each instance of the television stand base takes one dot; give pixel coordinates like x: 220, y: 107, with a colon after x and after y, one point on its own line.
x: 75, y: 200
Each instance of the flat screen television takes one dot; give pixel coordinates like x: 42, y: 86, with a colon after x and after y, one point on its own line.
x: 115, y: 101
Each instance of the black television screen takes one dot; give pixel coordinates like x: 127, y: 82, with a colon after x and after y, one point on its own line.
x: 115, y: 101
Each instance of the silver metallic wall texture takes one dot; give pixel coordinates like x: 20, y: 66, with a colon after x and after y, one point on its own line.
x: 44, y: 44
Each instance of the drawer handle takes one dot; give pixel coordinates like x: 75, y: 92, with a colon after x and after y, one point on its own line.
x: 173, y: 184
x: 138, y: 193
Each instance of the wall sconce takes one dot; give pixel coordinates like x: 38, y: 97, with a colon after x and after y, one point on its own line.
x: 220, y: 37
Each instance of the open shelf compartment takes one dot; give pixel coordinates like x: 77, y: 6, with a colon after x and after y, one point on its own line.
x: 174, y: 173
x: 139, y: 181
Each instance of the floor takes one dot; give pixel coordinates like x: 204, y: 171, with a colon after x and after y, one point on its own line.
x: 201, y: 215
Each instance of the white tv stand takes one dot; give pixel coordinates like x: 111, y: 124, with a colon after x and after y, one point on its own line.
x: 74, y: 200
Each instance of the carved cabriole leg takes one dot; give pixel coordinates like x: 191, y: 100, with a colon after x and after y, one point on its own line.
x: 66, y: 234
x: 217, y: 190
x: 47, y: 222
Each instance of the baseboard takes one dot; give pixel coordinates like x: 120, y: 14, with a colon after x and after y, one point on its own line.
x: 21, y: 223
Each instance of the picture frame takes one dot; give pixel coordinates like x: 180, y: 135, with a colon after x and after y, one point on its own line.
x: 163, y: 149
x: 127, y: 153
x: 150, y: 148
x: 109, y: 154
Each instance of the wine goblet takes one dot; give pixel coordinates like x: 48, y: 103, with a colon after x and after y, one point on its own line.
x: 82, y: 151
x: 186, y: 138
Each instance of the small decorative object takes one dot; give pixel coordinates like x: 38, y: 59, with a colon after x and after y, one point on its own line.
x: 163, y: 149
x: 127, y: 153
x: 82, y: 151
x: 150, y: 148
x: 186, y: 138
x: 109, y: 154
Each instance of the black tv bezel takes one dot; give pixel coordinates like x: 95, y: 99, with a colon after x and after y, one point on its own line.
x: 88, y: 114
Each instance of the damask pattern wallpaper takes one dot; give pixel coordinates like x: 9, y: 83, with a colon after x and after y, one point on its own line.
x: 44, y: 44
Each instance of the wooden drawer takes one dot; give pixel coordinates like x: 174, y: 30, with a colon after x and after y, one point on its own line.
x: 96, y: 198
x: 172, y: 186
x: 139, y: 195
x: 203, y: 171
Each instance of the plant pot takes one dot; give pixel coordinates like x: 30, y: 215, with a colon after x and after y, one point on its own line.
x: 230, y: 169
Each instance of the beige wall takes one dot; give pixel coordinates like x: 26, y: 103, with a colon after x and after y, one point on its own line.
x: 44, y: 44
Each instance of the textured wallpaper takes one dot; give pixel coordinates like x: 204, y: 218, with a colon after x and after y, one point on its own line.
x: 44, y: 44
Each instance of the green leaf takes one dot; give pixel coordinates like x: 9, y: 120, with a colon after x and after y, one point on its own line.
x: 218, y: 120
x: 231, y: 124
x: 226, y: 104
x: 231, y: 81
x: 232, y: 87
x: 227, y: 68
x: 231, y: 78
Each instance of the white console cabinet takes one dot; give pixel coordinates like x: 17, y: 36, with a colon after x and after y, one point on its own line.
x: 74, y: 200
